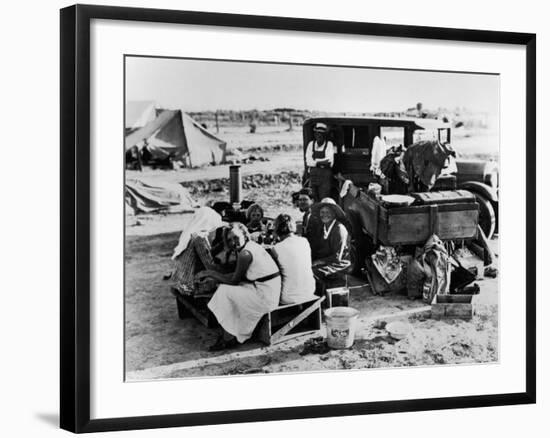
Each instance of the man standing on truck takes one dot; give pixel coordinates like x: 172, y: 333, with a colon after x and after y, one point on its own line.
x: 319, y: 160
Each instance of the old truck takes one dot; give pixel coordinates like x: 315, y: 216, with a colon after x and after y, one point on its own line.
x: 353, y: 139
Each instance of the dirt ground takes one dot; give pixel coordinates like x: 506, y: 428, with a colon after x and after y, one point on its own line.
x: 159, y: 345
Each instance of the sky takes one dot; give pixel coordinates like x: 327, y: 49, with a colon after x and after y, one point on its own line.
x: 199, y: 85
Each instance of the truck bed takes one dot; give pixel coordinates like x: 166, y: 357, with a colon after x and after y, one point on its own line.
x: 413, y: 225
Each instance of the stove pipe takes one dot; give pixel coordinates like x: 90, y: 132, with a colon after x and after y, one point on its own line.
x: 235, y: 184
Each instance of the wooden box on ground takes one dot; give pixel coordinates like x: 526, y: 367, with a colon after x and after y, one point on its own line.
x: 337, y: 297
x: 413, y: 225
x: 290, y: 320
x: 195, y: 306
x: 453, y: 306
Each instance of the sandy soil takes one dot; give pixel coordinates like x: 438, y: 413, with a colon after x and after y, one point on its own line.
x: 159, y: 345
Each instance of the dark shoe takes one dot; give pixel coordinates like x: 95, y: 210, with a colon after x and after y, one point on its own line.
x: 490, y: 272
x: 232, y: 343
x: 216, y: 346
x: 222, y: 344
x: 472, y: 289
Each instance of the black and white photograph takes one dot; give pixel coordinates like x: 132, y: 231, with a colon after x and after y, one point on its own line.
x: 298, y: 218
x: 275, y: 219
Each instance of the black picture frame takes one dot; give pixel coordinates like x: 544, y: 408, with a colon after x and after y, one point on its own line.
x: 75, y: 217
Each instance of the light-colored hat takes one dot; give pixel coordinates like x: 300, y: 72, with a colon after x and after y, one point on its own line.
x: 329, y: 202
x: 320, y: 127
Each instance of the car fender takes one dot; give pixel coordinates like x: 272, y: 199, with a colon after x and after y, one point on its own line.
x: 480, y: 188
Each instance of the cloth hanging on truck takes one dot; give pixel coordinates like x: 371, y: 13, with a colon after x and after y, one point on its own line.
x: 393, y: 168
x: 426, y: 159
x: 379, y: 149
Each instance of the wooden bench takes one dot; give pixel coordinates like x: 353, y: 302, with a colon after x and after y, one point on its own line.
x: 282, y: 323
x: 195, y: 306
x: 290, y: 320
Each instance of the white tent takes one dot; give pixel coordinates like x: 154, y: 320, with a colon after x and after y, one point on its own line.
x: 174, y: 134
x: 138, y: 113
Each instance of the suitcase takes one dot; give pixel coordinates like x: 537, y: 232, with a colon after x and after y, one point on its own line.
x: 443, y: 197
x: 446, y: 182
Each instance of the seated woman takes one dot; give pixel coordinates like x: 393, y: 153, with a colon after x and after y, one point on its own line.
x: 254, y: 219
x: 332, y: 255
x: 246, y: 294
x: 198, y: 246
x: 293, y: 255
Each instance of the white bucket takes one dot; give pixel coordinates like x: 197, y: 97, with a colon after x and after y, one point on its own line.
x: 341, y: 322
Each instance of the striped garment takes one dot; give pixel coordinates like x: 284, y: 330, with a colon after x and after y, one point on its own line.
x: 195, y: 258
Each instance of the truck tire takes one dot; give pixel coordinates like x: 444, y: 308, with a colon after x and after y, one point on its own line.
x: 487, y: 217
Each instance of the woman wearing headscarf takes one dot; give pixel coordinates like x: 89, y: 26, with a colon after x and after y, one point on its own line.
x: 199, y: 243
x: 332, y: 254
x: 246, y: 294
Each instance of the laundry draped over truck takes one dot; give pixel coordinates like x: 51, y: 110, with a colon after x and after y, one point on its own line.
x: 425, y: 160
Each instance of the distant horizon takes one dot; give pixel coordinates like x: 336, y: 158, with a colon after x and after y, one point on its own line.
x: 314, y: 111
x: 463, y: 109
x: 195, y: 85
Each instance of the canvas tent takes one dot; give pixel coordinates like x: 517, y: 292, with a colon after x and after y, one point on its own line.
x: 173, y: 134
x: 138, y: 113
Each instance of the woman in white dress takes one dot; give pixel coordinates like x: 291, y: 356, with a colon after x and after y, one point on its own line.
x: 293, y: 255
x: 243, y: 296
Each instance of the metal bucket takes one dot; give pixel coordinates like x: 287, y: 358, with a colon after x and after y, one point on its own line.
x: 341, y: 323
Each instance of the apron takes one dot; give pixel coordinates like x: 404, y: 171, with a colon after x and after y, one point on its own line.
x: 320, y: 174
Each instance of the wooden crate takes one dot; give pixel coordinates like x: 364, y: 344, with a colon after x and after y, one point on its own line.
x: 414, y: 225
x: 337, y: 296
x: 453, y: 306
x: 290, y: 320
